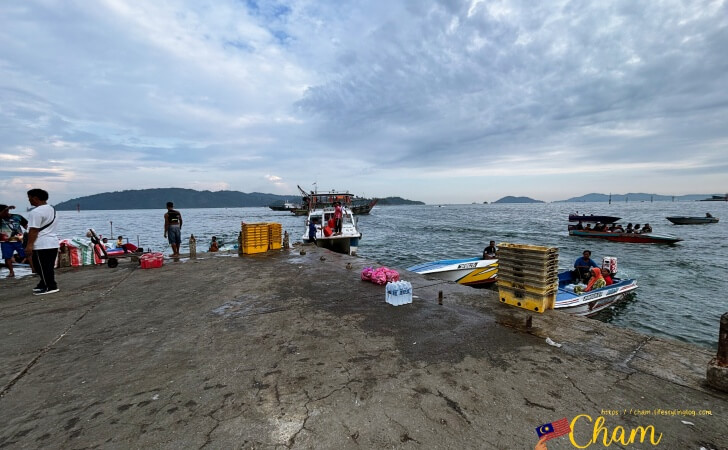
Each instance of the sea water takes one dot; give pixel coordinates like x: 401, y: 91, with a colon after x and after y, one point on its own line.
x: 682, y: 287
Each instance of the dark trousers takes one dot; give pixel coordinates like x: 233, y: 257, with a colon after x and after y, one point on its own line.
x: 44, y: 262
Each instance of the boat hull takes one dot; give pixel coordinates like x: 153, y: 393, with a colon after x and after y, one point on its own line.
x: 590, y: 303
x: 473, y: 272
x: 626, y: 237
x: 692, y: 220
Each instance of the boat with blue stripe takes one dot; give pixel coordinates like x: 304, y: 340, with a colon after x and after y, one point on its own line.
x: 469, y: 271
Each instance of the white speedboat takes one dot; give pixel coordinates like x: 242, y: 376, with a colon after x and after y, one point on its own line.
x: 347, y: 242
x: 590, y: 303
x: 470, y: 272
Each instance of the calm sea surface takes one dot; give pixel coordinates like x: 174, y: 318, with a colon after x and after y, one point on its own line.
x: 682, y: 290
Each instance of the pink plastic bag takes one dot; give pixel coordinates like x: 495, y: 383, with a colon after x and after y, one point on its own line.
x: 366, y: 274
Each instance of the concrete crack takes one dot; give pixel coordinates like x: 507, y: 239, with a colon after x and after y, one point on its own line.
x: 58, y: 338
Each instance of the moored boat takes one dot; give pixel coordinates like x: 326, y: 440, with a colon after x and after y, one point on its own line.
x: 682, y: 220
x: 470, y: 271
x: 286, y: 206
x: 346, y: 242
x: 639, y: 238
x: 590, y: 303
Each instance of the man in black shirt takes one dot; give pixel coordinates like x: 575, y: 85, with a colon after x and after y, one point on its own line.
x: 490, y: 251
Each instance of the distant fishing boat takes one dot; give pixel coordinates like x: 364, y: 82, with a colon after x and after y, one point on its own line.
x: 286, y: 206
x: 313, y: 199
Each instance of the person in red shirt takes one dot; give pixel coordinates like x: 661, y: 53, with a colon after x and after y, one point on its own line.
x: 338, y: 216
x: 607, y: 277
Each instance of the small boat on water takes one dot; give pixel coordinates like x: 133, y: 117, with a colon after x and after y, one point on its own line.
x: 590, y: 303
x: 681, y: 220
x: 347, y: 242
x: 286, y: 206
x: 592, y: 218
x: 470, y: 271
x: 638, y: 238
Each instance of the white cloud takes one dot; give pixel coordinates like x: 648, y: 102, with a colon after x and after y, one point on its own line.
x: 344, y: 92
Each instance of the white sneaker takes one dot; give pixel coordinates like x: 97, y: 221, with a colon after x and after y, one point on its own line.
x: 47, y: 291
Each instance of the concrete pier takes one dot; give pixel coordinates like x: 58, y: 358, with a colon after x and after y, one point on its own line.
x: 283, y: 350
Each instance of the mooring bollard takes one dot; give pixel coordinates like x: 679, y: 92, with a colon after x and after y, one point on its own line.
x: 286, y: 243
x: 439, y: 298
x: 193, y: 247
x: 718, y: 367
x: 722, y: 357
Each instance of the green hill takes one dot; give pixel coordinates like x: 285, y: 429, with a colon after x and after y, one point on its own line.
x: 636, y: 197
x: 511, y: 199
x: 398, y: 201
x: 182, y: 198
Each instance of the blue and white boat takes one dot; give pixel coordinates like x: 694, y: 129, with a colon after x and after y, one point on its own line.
x: 470, y: 271
x: 590, y: 303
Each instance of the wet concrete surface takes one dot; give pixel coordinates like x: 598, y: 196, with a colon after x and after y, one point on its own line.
x: 282, y: 350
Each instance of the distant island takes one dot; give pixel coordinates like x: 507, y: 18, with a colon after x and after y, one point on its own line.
x: 511, y: 199
x: 640, y: 197
x: 398, y: 201
x: 186, y: 198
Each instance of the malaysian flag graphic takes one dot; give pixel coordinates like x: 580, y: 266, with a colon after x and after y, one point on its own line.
x: 554, y: 429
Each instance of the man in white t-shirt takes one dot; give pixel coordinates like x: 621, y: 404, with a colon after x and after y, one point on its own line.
x: 42, y: 244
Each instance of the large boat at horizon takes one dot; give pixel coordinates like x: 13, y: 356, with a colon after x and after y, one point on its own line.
x: 314, y: 199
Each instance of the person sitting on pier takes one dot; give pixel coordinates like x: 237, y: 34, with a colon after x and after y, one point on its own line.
x: 213, y: 245
x: 490, y: 251
x: 582, y: 266
x: 646, y: 229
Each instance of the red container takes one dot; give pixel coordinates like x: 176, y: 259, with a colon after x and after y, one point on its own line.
x: 152, y: 260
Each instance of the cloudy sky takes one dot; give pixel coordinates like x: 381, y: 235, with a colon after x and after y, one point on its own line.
x: 439, y: 101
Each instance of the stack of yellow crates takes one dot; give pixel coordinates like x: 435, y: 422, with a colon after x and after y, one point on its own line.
x: 528, y: 276
x: 255, y: 238
x: 275, y: 236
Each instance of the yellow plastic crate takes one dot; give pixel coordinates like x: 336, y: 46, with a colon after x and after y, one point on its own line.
x: 534, y: 288
x: 275, y: 235
x: 526, y: 300
x: 526, y: 248
x: 250, y: 249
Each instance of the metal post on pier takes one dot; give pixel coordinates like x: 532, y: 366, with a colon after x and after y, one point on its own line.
x: 718, y: 367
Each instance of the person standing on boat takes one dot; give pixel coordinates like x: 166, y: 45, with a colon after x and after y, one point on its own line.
x: 582, y: 266
x: 42, y: 246
x: 338, y: 217
x: 490, y: 251
x: 173, y: 228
